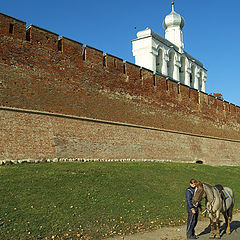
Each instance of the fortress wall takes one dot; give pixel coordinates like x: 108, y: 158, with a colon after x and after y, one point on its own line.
x: 147, y: 80
x: 194, y: 99
x: 35, y: 135
x: 72, y: 49
x: 93, y: 56
x: 161, y: 84
x: 59, y: 75
x: 12, y: 27
x: 41, y: 37
x: 113, y: 64
x: 132, y: 72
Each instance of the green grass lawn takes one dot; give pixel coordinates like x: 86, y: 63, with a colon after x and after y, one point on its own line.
x: 95, y: 200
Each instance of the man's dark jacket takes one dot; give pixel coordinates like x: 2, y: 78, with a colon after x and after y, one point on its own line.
x: 189, y: 196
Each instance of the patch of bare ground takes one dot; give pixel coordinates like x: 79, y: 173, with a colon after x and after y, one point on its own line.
x: 179, y: 232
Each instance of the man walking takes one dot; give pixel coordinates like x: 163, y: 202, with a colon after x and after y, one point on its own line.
x: 192, y: 211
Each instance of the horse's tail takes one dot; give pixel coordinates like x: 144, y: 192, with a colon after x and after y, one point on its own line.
x: 231, y: 193
x: 230, y: 206
x: 233, y: 197
x: 230, y: 210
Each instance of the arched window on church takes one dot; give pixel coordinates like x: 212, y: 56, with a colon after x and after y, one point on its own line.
x: 182, y: 70
x: 159, y: 61
x: 192, y: 76
x: 171, y: 64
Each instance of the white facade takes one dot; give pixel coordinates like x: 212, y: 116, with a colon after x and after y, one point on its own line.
x: 166, y: 55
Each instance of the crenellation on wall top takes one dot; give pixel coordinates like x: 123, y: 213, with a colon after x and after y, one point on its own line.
x: 12, y: 27
x: 42, y: 37
x: 147, y: 70
x: 93, y: 56
x: 11, y: 18
x: 113, y: 63
x: 43, y: 30
x: 70, y: 40
x: 72, y: 49
x: 93, y: 48
x: 110, y: 55
x: 132, y: 64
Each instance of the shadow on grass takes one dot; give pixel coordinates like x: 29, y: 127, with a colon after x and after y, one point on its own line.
x: 234, y: 226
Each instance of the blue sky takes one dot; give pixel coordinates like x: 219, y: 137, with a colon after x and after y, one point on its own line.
x: 211, y: 32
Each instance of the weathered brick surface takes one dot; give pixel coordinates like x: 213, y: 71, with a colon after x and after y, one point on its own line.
x: 41, y: 37
x: 38, y: 71
x: 12, y: 27
x: 113, y: 63
x: 25, y: 136
x: 40, y: 136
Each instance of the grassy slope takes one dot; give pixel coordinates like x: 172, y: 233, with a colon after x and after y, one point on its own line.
x: 96, y: 200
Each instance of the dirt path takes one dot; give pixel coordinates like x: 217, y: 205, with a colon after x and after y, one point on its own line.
x: 179, y: 233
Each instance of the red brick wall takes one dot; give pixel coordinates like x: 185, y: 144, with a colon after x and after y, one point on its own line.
x: 40, y: 72
x: 29, y: 135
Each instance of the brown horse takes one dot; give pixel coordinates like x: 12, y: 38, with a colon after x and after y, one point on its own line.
x: 215, y: 204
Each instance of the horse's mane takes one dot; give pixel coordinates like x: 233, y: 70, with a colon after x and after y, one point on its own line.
x: 208, y: 184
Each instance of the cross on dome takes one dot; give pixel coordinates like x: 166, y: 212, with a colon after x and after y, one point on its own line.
x: 172, y: 6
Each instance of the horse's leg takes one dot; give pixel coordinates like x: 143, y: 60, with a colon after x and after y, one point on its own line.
x: 229, y: 217
x: 226, y: 220
x: 217, y: 226
x: 228, y: 230
x: 212, y: 228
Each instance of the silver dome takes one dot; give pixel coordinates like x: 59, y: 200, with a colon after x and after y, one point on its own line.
x: 173, y: 19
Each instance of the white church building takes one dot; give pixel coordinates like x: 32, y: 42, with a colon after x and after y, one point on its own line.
x: 166, y: 56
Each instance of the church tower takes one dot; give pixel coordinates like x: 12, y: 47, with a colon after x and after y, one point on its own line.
x: 173, y: 25
x: 166, y: 56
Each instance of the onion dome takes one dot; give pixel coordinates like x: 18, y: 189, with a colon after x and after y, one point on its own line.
x: 173, y: 19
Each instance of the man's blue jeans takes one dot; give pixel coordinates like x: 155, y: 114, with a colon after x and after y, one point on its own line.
x: 191, y: 223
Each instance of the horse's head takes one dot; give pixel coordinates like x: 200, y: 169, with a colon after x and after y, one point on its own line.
x: 199, y: 194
